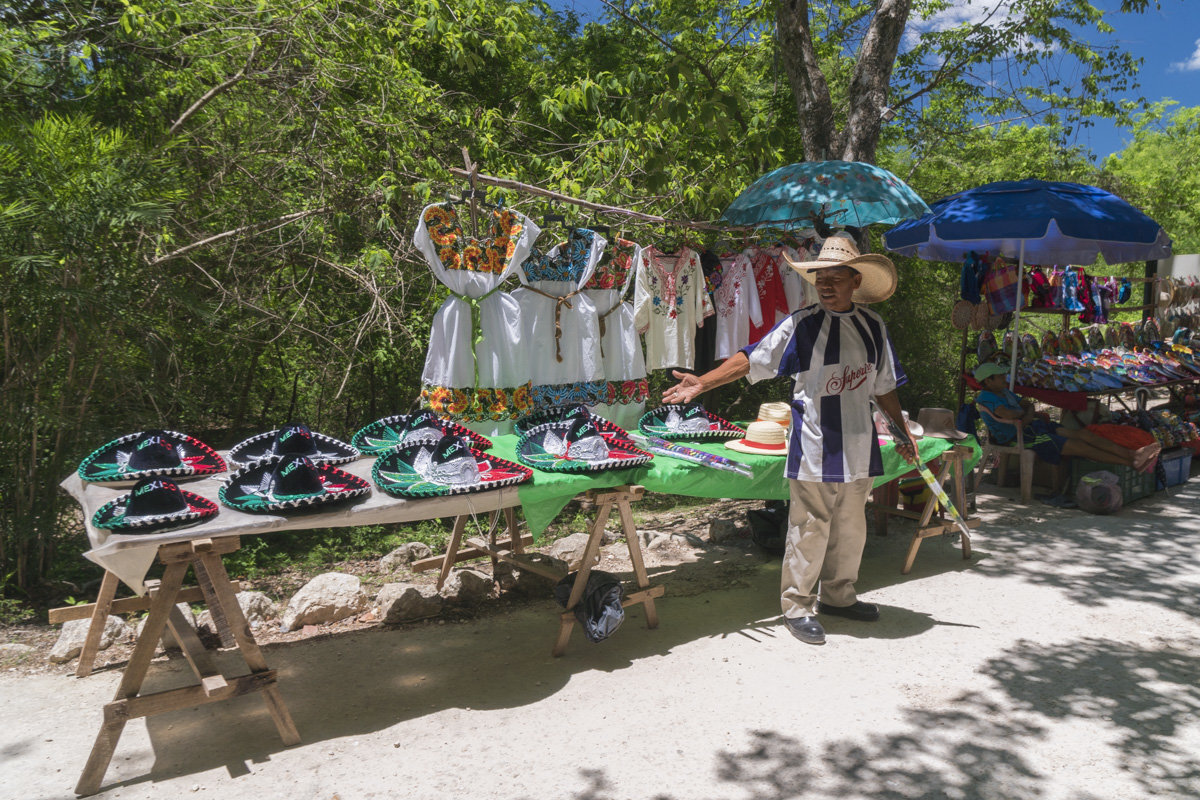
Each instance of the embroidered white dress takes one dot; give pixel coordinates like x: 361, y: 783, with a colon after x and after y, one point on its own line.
x: 620, y: 348
x: 669, y: 302
x: 476, y: 370
x: 736, y: 302
x: 560, y: 329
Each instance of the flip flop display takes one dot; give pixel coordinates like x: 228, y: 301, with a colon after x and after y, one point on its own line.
x: 688, y: 422
x: 384, y: 434
x: 444, y: 466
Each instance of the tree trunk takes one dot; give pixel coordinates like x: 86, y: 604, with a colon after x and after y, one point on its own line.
x: 820, y: 133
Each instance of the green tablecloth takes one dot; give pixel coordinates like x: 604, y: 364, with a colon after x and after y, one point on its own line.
x: 549, y: 492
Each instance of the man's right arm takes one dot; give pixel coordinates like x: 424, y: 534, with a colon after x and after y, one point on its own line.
x: 691, y: 386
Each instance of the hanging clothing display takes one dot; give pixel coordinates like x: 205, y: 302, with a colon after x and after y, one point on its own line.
x: 768, y: 269
x: 706, y: 337
x: 799, y: 292
x: 736, y: 302
x: 669, y: 303
x: 476, y: 369
x: 621, y: 357
x: 559, y: 324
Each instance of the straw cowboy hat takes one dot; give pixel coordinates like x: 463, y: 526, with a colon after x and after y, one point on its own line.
x: 939, y: 423
x: 839, y: 250
x: 775, y: 412
x: 762, y: 439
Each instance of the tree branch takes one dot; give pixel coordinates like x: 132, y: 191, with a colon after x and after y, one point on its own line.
x: 238, y: 77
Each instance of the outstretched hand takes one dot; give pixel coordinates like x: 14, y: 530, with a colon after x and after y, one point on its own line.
x: 687, y: 390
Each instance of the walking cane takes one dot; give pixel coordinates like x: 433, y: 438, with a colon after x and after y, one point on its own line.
x: 899, y: 435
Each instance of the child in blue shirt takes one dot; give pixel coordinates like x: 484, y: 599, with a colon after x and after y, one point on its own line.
x: 1050, y: 441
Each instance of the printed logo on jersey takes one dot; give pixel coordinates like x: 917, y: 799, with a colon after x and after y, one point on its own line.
x: 848, y: 379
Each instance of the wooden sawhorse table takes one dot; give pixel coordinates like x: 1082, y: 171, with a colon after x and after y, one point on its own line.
x: 204, y: 557
x: 952, y: 464
x: 605, y: 499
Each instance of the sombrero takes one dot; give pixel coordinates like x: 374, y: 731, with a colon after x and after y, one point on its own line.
x: 150, y: 454
x: 153, y: 505
x: 568, y: 411
x: 447, y: 465
x: 686, y: 422
x: 577, y: 445
x: 763, y: 438
x: 384, y: 434
x: 839, y: 250
x: 292, y: 440
x: 281, y: 483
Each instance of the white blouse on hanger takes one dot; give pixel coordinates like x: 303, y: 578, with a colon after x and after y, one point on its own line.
x: 736, y: 302
x: 621, y: 355
x: 669, y: 302
x: 476, y: 369
x: 559, y: 322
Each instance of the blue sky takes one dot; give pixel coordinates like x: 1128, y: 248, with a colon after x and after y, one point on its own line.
x: 1168, y: 39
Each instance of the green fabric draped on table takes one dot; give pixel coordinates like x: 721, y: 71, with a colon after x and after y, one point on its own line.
x: 549, y: 492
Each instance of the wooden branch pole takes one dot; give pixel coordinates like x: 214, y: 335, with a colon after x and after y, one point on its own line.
x: 517, y: 186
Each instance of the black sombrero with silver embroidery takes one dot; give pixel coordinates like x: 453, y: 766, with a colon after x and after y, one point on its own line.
x: 690, y: 421
x: 283, y: 483
x: 155, y: 504
x: 577, y: 445
x: 565, y: 412
x: 384, y: 434
x: 150, y: 454
x: 292, y: 440
x: 448, y: 465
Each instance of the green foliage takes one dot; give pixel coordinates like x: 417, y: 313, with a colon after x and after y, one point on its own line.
x: 1157, y: 174
x: 206, y: 210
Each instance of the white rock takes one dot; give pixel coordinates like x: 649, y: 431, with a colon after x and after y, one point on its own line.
x: 467, y: 587
x: 168, y: 638
x: 569, y: 548
x: 74, y: 633
x: 405, y: 554
x: 326, y: 598
x: 401, y: 602
x: 13, y: 651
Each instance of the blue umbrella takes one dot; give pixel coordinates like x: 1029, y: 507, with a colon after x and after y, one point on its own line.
x: 1036, y: 221
x: 839, y: 193
x: 1063, y: 223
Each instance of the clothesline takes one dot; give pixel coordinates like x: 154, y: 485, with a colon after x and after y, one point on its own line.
x: 507, y: 183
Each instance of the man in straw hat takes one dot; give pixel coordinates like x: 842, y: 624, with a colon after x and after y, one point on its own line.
x: 841, y: 358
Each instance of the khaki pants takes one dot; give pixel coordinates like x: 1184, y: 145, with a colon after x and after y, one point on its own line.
x: 827, y: 529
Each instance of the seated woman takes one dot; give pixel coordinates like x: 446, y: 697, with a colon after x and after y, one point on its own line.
x: 1004, y: 408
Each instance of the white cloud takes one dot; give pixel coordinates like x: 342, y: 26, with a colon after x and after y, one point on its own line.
x: 1192, y: 64
x: 960, y: 12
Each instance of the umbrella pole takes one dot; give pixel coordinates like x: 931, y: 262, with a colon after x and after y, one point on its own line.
x: 1012, y: 374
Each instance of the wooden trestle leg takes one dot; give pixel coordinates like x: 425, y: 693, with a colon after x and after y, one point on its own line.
x: 621, y: 496
x: 203, y: 556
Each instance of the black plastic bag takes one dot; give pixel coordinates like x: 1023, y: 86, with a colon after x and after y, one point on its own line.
x: 768, y: 526
x: 599, y: 611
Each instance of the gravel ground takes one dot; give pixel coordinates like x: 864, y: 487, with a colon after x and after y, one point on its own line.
x: 1060, y: 662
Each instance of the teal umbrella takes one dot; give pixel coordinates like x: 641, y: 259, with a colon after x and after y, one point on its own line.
x: 835, y: 193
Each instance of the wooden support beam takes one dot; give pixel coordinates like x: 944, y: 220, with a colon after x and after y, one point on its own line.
x: 469, y: 553
x: 126, y: 605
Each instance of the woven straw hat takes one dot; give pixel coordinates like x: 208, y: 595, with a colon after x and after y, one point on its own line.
x: 780, y: 413
x: 763, y: 439
x: 839, y: 250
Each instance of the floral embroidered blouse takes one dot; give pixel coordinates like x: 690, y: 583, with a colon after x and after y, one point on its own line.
x: 670, y: 301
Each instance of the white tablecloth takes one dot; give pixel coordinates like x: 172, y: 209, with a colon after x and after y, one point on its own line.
x: 129, y: 556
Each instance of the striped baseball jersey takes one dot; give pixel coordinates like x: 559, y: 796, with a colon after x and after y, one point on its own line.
x: 840, y: 361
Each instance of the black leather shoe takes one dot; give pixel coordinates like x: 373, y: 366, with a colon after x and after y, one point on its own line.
x: 863, y: 612
x: 806, y: 629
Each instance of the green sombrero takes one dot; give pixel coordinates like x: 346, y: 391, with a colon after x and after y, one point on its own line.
x: 288, y: 483
x: 155, y: 504
x: 444, y: 466
x: 150, y: 454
